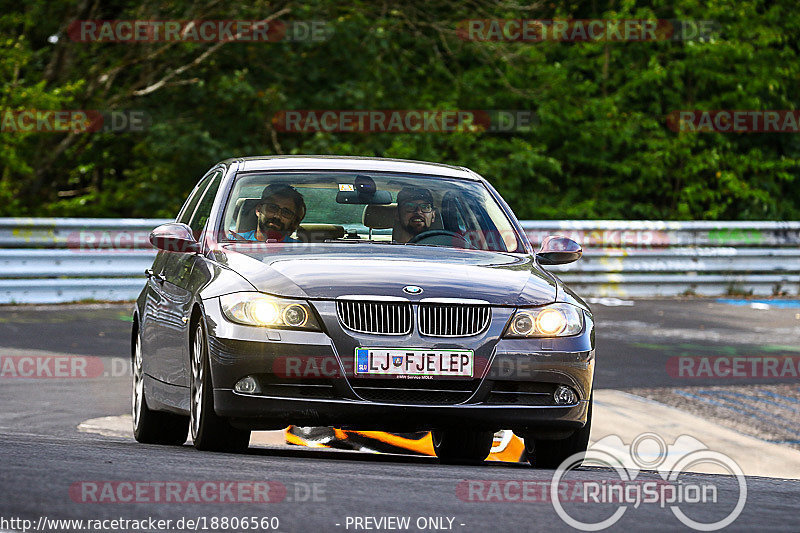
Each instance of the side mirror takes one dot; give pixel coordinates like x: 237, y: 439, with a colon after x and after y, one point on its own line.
x: 557, y: 250
x: 174, y: 237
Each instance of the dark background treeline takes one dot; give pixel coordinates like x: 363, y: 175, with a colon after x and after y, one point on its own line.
x: 601, y: 147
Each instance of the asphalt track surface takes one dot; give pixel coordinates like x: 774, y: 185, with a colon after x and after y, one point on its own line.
x: 45, y: 461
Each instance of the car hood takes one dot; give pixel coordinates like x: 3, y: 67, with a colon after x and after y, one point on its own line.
x: 327, y: 271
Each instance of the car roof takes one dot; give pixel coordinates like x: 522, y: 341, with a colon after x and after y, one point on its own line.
x: 352, y: 163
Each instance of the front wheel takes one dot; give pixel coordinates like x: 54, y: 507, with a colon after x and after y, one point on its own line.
x: 209, y: 431
x: 152, y: 427
x: 462, y: 446
x: 550, y: 454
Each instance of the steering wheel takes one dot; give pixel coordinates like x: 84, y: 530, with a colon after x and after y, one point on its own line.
x: 433, y: 233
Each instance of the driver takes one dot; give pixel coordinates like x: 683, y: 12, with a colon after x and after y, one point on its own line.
x: 415, y: 213
x: 278, y: 214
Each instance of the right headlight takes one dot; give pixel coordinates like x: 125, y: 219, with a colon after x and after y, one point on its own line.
x: 555, y: 320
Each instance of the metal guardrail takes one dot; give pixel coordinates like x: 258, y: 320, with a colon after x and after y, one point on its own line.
x: 659, y: 258
x: 55, y: 260
x: 67, y: 260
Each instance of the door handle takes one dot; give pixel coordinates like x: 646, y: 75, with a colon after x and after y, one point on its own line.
x: 158, y: 277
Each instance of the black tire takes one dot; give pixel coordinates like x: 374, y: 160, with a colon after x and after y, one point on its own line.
x: 456, y: 446
x: 209, y: 431
x: 152, y: 427
x: 543, y: 453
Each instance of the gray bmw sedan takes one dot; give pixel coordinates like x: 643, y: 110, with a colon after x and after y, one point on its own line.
x: 364, y: 293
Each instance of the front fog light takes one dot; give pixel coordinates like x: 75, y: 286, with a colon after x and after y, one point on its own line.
x: 247, y: 385
x: 565, y: 396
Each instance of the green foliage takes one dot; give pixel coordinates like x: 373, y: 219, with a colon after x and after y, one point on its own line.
x: 600, y: 147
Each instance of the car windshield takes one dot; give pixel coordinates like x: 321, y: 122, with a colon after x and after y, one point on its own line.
x: 366, y: 207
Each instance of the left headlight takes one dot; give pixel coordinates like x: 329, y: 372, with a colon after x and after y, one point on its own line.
x: 256, y: 309
x: 556, y: 320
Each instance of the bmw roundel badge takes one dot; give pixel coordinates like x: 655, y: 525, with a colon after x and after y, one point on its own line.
x: 412, y: 289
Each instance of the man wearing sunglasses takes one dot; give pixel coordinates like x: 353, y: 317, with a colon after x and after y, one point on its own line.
x: 415, y: 213
x: 279, y: 213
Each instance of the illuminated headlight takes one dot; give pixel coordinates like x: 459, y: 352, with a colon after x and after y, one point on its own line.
x: 556, y: 320
x: 256, y: 309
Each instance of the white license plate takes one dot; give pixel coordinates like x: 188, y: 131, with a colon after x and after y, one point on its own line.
x: 414, y: 362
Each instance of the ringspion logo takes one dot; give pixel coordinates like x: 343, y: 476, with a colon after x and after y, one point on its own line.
x: 650, y: 451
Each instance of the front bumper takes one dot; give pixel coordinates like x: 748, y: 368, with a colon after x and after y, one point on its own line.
x: 306, y: 381
x: 260, y: 413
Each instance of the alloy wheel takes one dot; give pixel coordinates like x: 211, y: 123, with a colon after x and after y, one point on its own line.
x: 198, y: 377
x: 137, y: 396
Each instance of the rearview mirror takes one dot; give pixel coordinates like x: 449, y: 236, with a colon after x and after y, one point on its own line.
x: 558, y: 250
x: 174, y: 237
x: 356, y: 197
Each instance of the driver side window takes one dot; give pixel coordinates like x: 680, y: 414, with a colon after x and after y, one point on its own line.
x: 191, y: 203
x: 203, y: 209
